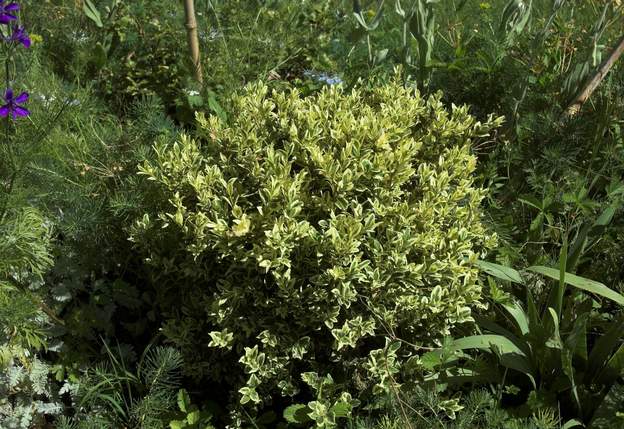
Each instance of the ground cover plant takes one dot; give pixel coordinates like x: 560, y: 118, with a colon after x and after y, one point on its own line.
x: 351, y: 213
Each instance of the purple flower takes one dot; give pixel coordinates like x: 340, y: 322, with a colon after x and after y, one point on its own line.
x: 12, y: 105
x: 6, y: 10
x: 19, y: 35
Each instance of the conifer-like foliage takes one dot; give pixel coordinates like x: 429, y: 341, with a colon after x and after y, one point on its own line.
x: 305, y: 232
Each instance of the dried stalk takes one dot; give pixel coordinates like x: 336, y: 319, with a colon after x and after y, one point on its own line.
x: 193, y: 39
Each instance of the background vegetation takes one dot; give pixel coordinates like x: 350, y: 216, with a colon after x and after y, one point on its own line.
x: 316, y: 235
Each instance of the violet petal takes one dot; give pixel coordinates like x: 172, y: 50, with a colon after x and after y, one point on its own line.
x: 22, y: 98
x: 20, y: 111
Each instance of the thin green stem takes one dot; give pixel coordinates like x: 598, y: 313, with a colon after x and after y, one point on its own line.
x: 11, y: 161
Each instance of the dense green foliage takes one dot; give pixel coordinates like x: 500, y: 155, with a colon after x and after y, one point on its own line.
x: 332, y: 229
x: 297, y: 241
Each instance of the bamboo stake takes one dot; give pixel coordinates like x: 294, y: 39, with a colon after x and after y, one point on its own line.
x: 595, y: 80
x: 193, y: 39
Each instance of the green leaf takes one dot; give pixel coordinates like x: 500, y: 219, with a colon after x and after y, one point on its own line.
x: 581, y: 283
x: 537, y: 223
x: 563, y: 258
x: 572, y: 424
x: 532, y: 201
x: 510, y: 355
x: 588, y: 230
x: 606, y: 416
x: 297, y: 413
x: 215, y: 106
x: 614, y: 368
x: 607, y: 215
x: 517, y: 313
x: 342, y: 409
x: 568, y: 369
x: 99, y: 55
x: 604, y: 346
x: 576, y: 340
x: 184, y: 400
x: 575, y: 344
x: 92, y: 13
x: 500, y: 271
x: 485, y: 342
x: 381, y: 55
x: 554, y: 342
x: 534, y: 318
x: 578, y: 246
x: 193, y: 417
x: 492, y: 327
x: 430, y: 360
x: 357, y: 13
x: 177, y: 424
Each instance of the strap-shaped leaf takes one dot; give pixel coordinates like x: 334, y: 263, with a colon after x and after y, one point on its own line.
x: 517, y: 313
x: 572, y: 424
x: 510, y: 355
x: 495, y: 328
x: 554, y: 342
x: 500, y: 271
x: 581, y: 283
x: 614, y: 368
x: 485, y: 342
x: 92, y: 13
x: 604, y: 347
x: 588, y: 231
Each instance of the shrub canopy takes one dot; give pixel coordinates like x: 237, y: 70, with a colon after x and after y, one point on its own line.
x: 305, y: 232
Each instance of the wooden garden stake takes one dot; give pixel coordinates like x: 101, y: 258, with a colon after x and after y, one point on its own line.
x: 193, y: 39
x: 595, y: 80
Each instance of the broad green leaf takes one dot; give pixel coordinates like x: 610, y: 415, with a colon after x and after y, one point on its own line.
x: 581, y: 283
x: 537, y: 223
x: 607, y: 215
x: 485, y: 342
x: 177, y: 424
x: 532, y: 201
x: 500, y: 271
x: 92, y: 13
x: 430, y: 360
x: 193, y: 417
x: 590, y: 229
x: 297, y: 413
x: 517, y: 313
x: 215, y: 106
x: 509, y: 354
x: 184, y: 400
x: 342, y: 409
x: 494, y: 328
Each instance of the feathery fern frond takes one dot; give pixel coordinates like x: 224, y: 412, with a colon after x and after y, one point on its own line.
x: 24, y: 243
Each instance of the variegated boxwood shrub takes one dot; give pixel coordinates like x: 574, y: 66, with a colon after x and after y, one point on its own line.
x: 289, y: 244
